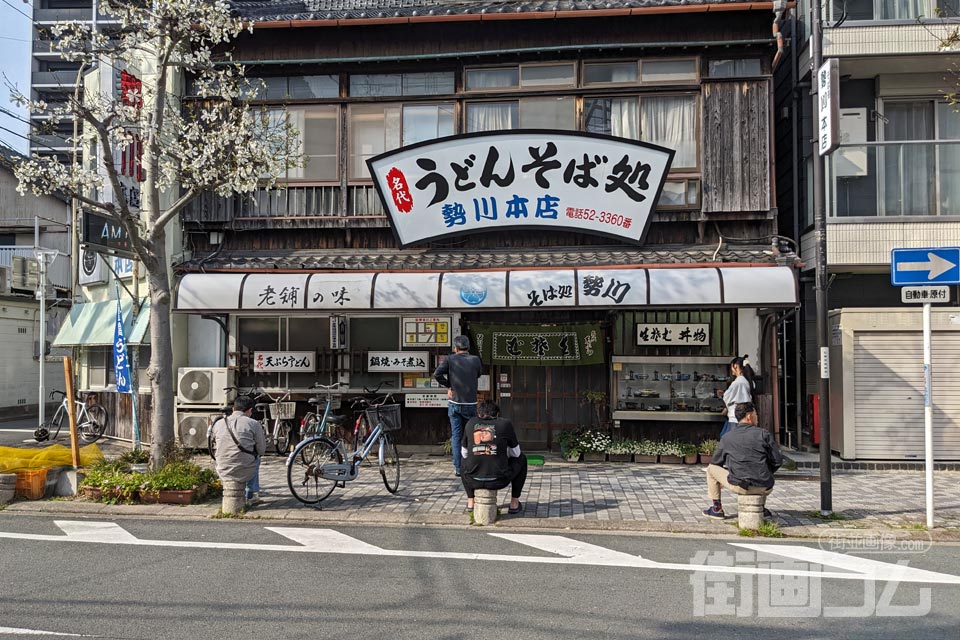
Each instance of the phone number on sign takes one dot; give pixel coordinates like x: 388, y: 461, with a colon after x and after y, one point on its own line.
x: 601, y: 217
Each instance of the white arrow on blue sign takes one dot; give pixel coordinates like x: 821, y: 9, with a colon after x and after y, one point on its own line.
x: 937, y: 265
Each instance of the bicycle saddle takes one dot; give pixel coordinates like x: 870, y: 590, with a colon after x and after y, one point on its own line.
x: 340, y: 421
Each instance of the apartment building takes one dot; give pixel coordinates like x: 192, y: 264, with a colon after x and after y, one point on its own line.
x: 892, y: 183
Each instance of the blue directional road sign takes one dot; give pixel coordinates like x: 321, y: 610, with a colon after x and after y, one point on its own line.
x: 937, y: 265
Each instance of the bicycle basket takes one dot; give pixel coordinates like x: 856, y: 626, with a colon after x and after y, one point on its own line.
x: 387, y: 415
x: 283, y: 410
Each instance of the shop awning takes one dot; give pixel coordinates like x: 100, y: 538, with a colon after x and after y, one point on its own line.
x: 678, y: 286
x: 91, y: 324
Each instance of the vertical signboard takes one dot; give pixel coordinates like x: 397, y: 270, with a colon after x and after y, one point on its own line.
x: 828, y: 98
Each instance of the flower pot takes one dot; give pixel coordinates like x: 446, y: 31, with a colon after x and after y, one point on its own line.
x: 572, y: 456
x: 670, y: 459
x: 590, y: 456
x: 690, y: 459
x: 171, y: 496
x: 619, y: 457
x: 706, y: 458
x: 644, y: 459
x: 149, y: 497
x: 94, y: 493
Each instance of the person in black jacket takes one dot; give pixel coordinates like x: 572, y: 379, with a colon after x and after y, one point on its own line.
x: 492, y: 457
x: 744, y: 461
x: 459, y: 372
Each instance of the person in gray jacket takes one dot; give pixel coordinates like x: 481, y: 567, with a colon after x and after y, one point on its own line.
x: 240, y: 443
x: 744, y: 461
x: 459, y: 373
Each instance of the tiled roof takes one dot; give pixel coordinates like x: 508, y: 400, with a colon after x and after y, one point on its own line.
x: 445, y: 260
x: 279, y: 10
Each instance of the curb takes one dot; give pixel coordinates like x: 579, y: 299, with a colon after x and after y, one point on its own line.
x: 307, y: 515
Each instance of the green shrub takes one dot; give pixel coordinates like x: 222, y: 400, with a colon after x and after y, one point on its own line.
x: 707, y: 447
x: 135, y: 456
x: 688, y: 449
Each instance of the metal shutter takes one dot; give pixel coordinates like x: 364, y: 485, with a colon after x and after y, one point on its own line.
x: 888, y: 385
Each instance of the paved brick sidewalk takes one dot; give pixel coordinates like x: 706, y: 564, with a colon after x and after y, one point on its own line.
x: 665, y: 495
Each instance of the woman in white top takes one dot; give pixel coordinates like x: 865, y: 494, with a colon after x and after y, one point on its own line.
x: 740, y: 390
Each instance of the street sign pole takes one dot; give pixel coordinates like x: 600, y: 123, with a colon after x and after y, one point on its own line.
x: 928, y: 413
x: 925, y: 275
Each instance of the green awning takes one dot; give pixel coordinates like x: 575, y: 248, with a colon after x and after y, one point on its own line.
x: 91, y: 324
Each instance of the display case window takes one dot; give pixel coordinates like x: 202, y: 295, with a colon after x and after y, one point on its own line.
x: 661, y: 389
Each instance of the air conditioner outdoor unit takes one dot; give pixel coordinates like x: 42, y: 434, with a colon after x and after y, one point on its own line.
x: 192, y: 429
x: 25, y: 273
x: 203, y: 386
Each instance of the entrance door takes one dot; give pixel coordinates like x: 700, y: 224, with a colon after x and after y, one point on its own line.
x: 542, y: 401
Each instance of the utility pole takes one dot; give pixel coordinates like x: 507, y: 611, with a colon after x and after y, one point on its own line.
x: 820, y: 236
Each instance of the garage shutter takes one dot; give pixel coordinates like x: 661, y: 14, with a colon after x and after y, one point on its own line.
x: 889, y: 395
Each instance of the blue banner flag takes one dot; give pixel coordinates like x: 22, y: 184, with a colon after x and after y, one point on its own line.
x: 121, y: 364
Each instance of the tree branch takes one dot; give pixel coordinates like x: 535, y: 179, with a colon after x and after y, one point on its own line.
x: 171, y: 213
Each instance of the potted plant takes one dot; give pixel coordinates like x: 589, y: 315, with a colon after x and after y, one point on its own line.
x: 598, y: 402
x: 670, y: 452
x: 594, y: 445
x: 105, y: 480
x: 177, y: 483
x: 566, y: 440
x: 572, y: 455
x: 707, y: 447
x: 689, y: 452
x: 620, y: 451
x: 645, y: 451
x: 137, y: 459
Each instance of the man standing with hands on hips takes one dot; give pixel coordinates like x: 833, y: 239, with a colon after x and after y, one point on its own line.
x: 459, y: 373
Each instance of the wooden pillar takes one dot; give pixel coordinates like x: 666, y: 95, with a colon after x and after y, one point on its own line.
x: 71, y: 410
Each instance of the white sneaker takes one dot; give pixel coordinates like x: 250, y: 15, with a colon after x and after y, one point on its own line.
x: 254, y: 499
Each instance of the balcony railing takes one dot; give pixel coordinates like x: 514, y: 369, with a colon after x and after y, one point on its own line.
x: 62, y: 15
x: 55, y: 79
x: 290, y: 206
x: 890, y: 10
x: 894, y: 179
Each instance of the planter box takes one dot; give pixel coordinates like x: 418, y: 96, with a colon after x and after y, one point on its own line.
x: 569, y: 457
x: 594, y: 457
x: 706, y: 458
x: 149, y: 497
x: 93, y: 493
x: 644, y: 459
x: 169, y: 496
x: 619, y: 457
x: 671, y: 460
x: 690, y: 459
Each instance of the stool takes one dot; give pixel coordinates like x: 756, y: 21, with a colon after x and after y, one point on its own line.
x: 484, y: 506
x: 750, y: 510
x: 233, y: 497
x: 8, y: 487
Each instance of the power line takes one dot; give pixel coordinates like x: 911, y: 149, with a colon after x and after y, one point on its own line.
x: 30, y: 18
x: 14, y: 39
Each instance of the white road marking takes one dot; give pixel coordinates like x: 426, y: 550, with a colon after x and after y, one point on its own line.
x: 37, y: 632
x: 566, y: 550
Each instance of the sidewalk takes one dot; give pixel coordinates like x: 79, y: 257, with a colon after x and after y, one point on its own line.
x: 582, y: 496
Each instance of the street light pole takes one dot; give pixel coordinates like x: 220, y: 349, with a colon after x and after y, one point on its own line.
x: 820, y: 236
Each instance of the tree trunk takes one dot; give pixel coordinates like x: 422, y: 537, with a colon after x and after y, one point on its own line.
x: 161, y: 356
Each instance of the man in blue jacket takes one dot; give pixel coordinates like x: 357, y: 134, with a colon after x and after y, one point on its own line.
x: 744, y: 461
x: 459, y: 373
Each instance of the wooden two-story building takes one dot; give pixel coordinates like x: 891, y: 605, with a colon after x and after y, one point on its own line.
x: 563, y: 294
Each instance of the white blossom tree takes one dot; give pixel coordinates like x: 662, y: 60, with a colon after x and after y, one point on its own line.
x: 218, y: 142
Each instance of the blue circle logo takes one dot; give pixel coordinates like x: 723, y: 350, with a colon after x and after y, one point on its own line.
x: 473, y: 295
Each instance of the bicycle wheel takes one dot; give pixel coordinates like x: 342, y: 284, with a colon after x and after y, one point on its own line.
x: 360, y: 431
x: 305, y: 483
x: 211, y: 443
x: 94, y: 425
x: 309, y: 426
x: 53, y: 427
x: 389, y: 463
x: 282, y: 437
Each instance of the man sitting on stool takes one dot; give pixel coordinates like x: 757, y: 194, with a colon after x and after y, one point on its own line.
x: 744, y: 461
x: 491, y: 456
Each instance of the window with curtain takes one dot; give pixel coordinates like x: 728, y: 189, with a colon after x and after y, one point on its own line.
x: 549, y: 113
x: 319, y: 128
x: 493, y: 78
x: 668, y: 121
x: 492, y: 116
x: 402, y: 84
x: 949, y: 156
x: 377, y: 128
x: 596, y: 73
x: 664, y: 71
x: 671, y: 121
x: 909, y: 169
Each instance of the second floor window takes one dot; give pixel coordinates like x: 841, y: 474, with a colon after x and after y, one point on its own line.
x: 376, y: 128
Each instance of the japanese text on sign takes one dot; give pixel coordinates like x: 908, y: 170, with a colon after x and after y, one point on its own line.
x: 925, y: 294
x: 422, y: 331
x: 491, y: 181
x: 398, y: 361
x: 674, y: 334
x: 290, y: 361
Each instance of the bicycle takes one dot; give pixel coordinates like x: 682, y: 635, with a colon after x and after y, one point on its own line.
x: 91, y: 419
x: 316, y: 466
x: 282, y: 412
x: 361, y: 427
x: 311, y: 425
